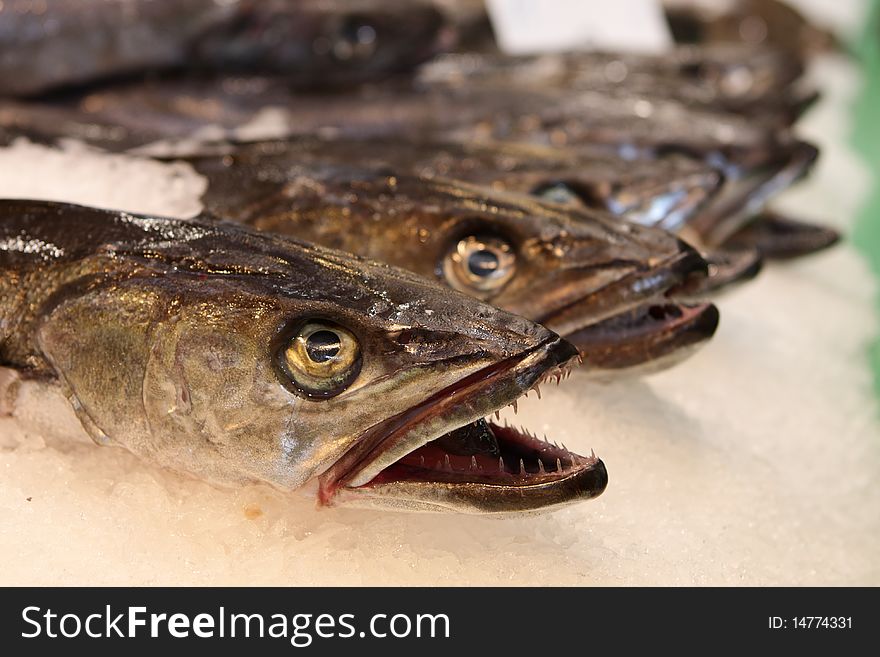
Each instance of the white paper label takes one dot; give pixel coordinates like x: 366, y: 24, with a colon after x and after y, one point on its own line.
x: 534, y: 26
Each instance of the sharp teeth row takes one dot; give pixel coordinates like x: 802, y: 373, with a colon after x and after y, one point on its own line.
x: 575, y: 458
x: 473, y: 466
x: 558, y: 375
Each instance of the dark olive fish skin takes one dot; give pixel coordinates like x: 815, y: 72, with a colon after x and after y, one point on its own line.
x: 568, y: 268
x: 779, y: 237
x: 50, y: 45
x: 758, y: 158
x: 726, y: 78
x: 182, y: 342
x: 665, y: 192
x: 136, y: 114
x: 754, y: 23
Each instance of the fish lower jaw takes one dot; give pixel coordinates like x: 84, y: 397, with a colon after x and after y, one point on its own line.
x: 648, y: 338
x: 452, y: 453
x: 521, y: 459
x: 524, y: 474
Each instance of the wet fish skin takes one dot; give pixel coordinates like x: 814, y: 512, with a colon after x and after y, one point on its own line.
x: 750, y: 22
x: 758, y: 158
x: 62, y: 43
x: 780, y: 237
x: 565, y: 267
x: 664, y: 192
x: 164, y: 336
x: 727, y: 78
x: 136, y: 114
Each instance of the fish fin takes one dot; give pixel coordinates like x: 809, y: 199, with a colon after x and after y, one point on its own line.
x: 88, y: 424
x: 10, y: 382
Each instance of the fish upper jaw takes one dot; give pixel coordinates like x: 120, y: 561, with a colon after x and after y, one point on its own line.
x: 400, y: 462
x: 638, y: 282
x: 643, y: 325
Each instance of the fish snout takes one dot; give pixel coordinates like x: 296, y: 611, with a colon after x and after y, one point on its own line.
x: 689, y: 268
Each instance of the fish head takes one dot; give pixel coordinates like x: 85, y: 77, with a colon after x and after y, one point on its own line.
x: 243, y: 357
x: 570, y: 269
x: 665, y: 192
x: 335, y: 42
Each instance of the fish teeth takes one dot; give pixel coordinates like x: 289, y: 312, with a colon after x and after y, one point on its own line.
x: 497, y: 415
x: 421, y: 461
x: 515, y: 407
x: 538, y: 390
x: 540, y: 466
x: 446, y: 464
x: 522, y: 467
x: 473, y: 462
x: 558, y: 465
x: 500, y: 464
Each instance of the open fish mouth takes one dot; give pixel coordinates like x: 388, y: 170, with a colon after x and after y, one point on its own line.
x: 659, y: 325
x: 748, y: 192
x: 443, y: 455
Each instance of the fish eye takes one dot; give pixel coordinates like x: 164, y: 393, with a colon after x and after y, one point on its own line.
x: 356, y: 39
x: 480, y: 265
x: 322, y: 359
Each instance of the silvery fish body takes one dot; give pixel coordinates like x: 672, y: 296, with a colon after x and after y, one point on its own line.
x: 60, y: 43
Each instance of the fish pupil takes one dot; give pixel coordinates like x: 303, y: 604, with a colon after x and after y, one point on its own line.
x: 323, y: 346
x: 483, y: 263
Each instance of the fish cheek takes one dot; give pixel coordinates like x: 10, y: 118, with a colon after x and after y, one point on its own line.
x: 98, y: 344
x: 212, y: 396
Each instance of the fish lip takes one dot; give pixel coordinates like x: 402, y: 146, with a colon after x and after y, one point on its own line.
x: 520, y: 372
x: 728, y: 267
x: 643, y: 340
x: 586, y: 481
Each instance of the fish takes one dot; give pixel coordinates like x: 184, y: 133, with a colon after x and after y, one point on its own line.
x: 753, y: 23
x: 757, y: 158
x: 47, y: 46
x: 730, y: 78
x: 664, y: 193
x: 127, y: 116
x: 242, y: 357
x: 780, y: 237
x: 573, y: 270
x: 473, y: 29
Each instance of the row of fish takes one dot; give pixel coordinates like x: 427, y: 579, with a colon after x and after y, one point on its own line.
x: 395, y: 245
